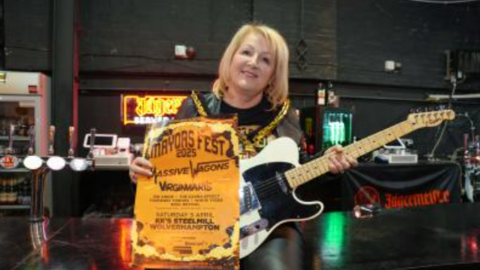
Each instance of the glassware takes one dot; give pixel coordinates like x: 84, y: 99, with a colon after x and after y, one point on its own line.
x: 366, y: 210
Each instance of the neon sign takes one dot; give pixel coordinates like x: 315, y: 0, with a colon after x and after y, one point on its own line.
x: 149, y: 109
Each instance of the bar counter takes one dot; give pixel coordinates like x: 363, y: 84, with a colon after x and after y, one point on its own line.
x: 443, y: 236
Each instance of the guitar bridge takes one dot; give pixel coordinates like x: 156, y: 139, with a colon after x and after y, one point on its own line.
x: 253, y: 228
x: 248, y: 199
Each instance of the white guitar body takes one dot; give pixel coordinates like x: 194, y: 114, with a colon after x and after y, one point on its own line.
x: 280, y: 151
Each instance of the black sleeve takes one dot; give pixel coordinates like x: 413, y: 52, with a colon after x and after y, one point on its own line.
x: 187, y: 109
x: 305, y: 157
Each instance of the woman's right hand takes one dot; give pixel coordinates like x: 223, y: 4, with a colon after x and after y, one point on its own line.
x: 140, y: 166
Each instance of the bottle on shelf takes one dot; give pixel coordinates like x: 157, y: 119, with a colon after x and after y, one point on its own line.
x: 26, y: 191
x: 3, y: 195
x: 8, y: 190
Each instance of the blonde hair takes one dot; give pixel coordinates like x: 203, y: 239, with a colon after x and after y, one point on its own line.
x: 277, y: 90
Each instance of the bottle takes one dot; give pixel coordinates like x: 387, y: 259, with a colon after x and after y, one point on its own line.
x: 8, y: 191
x: 309, y: 140
x: 14, y: 198
x: 367, y: 210
x: 2, y: 191
x: 27, y: 191
x: 321, y: 94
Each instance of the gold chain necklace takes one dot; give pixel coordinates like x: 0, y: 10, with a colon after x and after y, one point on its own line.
x: 258, y: 139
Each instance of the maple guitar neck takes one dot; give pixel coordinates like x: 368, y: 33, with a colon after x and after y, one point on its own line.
x: 317, y: 167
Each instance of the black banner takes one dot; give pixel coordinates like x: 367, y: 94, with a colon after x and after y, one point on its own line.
x: 400, y: 186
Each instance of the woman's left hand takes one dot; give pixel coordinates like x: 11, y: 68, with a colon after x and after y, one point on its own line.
x: 339, y: 161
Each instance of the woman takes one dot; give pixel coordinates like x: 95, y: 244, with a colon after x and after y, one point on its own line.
x: 253, y: 83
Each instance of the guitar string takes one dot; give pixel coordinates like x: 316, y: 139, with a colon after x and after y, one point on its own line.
x: 272, y: 183
x: 320, y: 162
x: 362, y: 146
x: 271, y: 186
x: 319, y: 165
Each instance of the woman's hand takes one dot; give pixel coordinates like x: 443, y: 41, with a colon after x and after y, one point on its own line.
x: 140, y: 166
x: 339, y: 162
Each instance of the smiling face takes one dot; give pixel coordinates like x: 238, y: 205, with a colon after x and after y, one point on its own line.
x: 242, y: 85
x: 251, y: 68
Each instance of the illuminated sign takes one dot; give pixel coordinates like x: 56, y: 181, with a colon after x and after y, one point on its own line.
x: 148, y: 109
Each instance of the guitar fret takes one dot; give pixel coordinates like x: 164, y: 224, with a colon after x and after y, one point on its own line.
x: 309, y: 172
x: 321, y: 165
x: 404, y: 128
x: 361, y: 148
x: 292, y: 178
x: 305, y: 171
x: 297, y: 180
x: 397, y: 131
x: 302, y: 179
x: 351, y: 151
x: 385, y: 138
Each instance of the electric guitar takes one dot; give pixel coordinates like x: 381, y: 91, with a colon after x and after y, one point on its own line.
x: 269, y: 180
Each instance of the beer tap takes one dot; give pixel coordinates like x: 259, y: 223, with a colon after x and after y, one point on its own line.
x: 55, y: 163
x: 51, y: 138
x: 76, y: 163
x: 32, y: 161
x: 39, y: 177
x: 71, y: 151
x: 31, y: 137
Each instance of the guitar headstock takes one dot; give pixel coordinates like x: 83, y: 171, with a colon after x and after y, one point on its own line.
x: 430, y: 119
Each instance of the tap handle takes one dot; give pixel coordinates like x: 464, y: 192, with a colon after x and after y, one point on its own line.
x: 31, y: 136
x: 51, y: 140
x: 71, y: 151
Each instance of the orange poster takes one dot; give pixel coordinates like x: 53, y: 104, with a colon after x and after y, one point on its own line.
x: 187, y: 213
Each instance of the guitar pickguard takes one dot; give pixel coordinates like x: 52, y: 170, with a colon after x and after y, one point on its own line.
x: 276, y: 201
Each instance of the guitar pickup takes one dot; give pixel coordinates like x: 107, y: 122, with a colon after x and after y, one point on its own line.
x: 253, y: 228
x: 248, y: 199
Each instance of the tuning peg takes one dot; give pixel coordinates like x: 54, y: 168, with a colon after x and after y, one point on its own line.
x: 414, y: 110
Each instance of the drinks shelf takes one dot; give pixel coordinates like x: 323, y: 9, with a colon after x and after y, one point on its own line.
x: 14, y: 207
x: 15, y: 138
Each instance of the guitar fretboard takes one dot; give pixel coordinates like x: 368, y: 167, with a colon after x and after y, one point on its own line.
x: 317, y: 167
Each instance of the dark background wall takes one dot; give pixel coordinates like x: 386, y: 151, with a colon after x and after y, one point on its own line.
x: 341, y: 40
x: 128, y: 45
x: 413, y: 33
